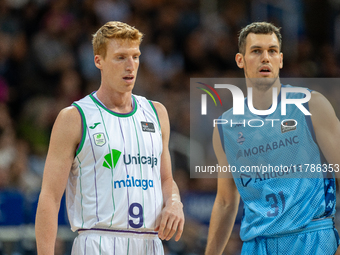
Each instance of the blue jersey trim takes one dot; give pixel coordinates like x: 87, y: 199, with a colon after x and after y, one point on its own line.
x: 309, y: 121
x: 336, y: 235
x: 220, y: 131
x: 329, y: 182
x: 279, y: 96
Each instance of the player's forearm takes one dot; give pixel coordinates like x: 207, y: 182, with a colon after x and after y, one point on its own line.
x: 46, y: 225
x: 221, y: 225
x: 172, y: 216
x: 170, y: 191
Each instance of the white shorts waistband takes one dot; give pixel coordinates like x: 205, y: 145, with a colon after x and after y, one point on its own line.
x: 144, y: 234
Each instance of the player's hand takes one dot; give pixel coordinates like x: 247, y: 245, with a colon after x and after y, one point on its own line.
x: 337, y: 251
x: 172, y: 219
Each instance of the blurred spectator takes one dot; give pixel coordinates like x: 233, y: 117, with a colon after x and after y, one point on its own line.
x: 50, y: 46
x: 68, y: 90
x: 108, y: 10
x: 86, y: 63
x: 36, y: 122
x: 162, y: 59
x: 7, y: 138
x: 21, y: 177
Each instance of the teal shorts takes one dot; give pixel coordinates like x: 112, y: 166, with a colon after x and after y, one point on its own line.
x: 318, y: 242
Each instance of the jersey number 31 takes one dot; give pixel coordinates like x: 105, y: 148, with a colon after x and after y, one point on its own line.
x: 273, y: 196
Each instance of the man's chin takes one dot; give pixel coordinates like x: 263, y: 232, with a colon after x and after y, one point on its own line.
x: 263, y: 83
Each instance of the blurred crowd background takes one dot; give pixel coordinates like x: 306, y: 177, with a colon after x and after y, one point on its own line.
x: 46, y: 63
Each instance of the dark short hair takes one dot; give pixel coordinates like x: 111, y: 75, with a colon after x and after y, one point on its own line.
x: 257, y: 28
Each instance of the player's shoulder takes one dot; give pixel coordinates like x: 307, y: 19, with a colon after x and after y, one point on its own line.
x: 75, y: 109
x: 68, y: 125
x: 86, y: 101
x: 294, y: 92
x: 69, y: 116
x: 227, y: 113
x: 317, y: 101
x: 157, y: 106
x: 160, y: 108
x: 142, y: 99
x: 162, y: 115
x: 322, y: 113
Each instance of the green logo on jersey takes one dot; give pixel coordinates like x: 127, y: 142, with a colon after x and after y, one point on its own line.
x: 95, y: 124
x: 111, y: 159
x: 99, y: 139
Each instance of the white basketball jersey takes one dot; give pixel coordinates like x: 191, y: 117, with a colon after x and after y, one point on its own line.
x: 115, y: 179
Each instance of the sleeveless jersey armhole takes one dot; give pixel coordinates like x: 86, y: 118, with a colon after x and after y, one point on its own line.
x: 329, y: 182
x: 309, y: 121
x: 220, y: 131
x: 83, y: 123
x: 154, y: 109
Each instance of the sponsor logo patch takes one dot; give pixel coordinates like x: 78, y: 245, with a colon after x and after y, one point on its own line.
x: 288, y: 125
x: 245, y: 179
x: 95, y: 125
x: 148, y: 127
x: 111, y: 159
x: 240, y: 138
x: 99, y: 139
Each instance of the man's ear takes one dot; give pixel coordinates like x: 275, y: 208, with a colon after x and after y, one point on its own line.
x: 239, y: 60
x: 98, y: 61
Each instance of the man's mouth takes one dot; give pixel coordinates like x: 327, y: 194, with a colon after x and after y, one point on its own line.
x: 265, y: 69
x: 128, y: 77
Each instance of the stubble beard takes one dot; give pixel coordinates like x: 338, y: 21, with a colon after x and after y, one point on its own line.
x: 261, y: 84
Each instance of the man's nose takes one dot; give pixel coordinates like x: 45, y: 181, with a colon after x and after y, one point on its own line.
x: 130, y: 65
x: 265, y: 56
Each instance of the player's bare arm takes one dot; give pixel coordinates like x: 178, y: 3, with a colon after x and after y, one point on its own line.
x: 326, y: 126
x: 225, y: 207
x: 327, y: 130
x: 172, y: 216
x: 65, y: 137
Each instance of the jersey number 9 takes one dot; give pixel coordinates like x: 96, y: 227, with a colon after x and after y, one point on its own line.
x: 136, y: 212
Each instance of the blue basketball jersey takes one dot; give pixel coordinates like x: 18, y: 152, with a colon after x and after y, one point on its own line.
x: 278, y: 170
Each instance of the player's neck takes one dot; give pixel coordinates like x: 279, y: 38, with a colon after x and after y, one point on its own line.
x: 263, y: 99
x: 116, y: 101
